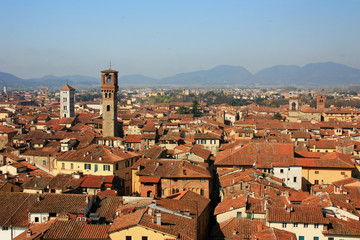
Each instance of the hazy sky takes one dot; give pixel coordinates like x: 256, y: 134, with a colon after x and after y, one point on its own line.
x: 162, y: 38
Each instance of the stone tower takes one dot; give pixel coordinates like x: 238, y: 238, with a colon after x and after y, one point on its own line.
x: 67, y: 98
x: 109, y: 90
x: 293, y: 103
x: 320, y: 102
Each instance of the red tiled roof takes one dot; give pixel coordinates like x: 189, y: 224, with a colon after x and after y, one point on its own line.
x: 296, y: 214
x: 67, y: 87
x: 149, y: 179
x: 76, y: 230
x: 273, y: 234
x: 341, y: 227
x: 265, y: 153
x: 132, y: 139
x: 15, y: 208
x: 230, y: 204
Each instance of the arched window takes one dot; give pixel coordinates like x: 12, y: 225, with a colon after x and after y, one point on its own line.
x: 109, y: 95
x: 108, y: 108
x: 105, y: 95
x: 108, y: 78
x: 293, y: 106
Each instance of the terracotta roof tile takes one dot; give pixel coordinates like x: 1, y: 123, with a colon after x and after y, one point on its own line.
x: 296, y: 214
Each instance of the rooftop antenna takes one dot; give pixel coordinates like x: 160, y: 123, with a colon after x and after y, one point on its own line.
x: 110, y: 64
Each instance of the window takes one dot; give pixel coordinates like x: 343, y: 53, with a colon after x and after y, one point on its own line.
x: 5, y: 228
x: 71, y: 165
x: 109, y: 95
x: 203, y: 141
x: 281, y: 170
x: 301, y: 238
x: 144, y: 238
x: 87, y: 166
x: 202, y: 180
x: 108, y: 108
x: 128, y: 238
x: 306, y: 225
x: 316, y: 225
x: 44, y: 162
x: 284, y: 225
x: 62, y: 165
x: 36, y: 219
x: 65, y: 107
x: 238, y: 214
x: 64, y: 99
x: 184, y: 179
x: 96, y: 168
x: 116, y: 166
x: 295, y: 224
x: 108, y: 80
x: 316, y: 181
x: 202, y: 192
x: 295, y: 179
x: 342, y: 173
x: 127, y: 163
x: 316, y: 172
x: 330, y: 238
x: 213, y: 141
x: 316, y: 238
x: 106, y: 167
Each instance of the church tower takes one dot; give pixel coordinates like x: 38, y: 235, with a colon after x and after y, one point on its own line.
x: 320, y: 102
x: 109, y: 90
x: 67, y: 98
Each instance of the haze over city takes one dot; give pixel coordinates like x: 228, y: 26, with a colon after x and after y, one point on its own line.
x: 162, y: 38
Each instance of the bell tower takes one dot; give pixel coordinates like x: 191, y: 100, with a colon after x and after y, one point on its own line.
x: 109, y: 90
x: 320, y: 102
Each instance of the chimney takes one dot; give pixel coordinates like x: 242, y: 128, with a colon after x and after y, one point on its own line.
x: 28, y: 233
x: 260, y: 227
x: 158, y: 218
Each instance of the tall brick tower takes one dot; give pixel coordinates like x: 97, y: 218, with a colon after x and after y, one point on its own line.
x: 109, y: 90
x: 320, y: 102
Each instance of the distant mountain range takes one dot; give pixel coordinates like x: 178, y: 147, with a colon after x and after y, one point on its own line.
x: 314, y: 74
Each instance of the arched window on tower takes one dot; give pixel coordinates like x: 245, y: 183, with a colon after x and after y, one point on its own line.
x: 109, y: 95
x: 293, y: 106
x: 108, y: 108
x: 105, y: 95
x: 108, y: 78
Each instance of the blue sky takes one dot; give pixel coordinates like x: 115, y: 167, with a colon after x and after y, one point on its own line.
x: 162, y: 38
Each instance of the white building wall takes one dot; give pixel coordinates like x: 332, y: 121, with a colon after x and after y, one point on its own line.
x: 43, y: 217
x: 290, y: 175
x: 11, y: 232
x: 222, y: 217
x: 307, y: 232
x: 67, y: 103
